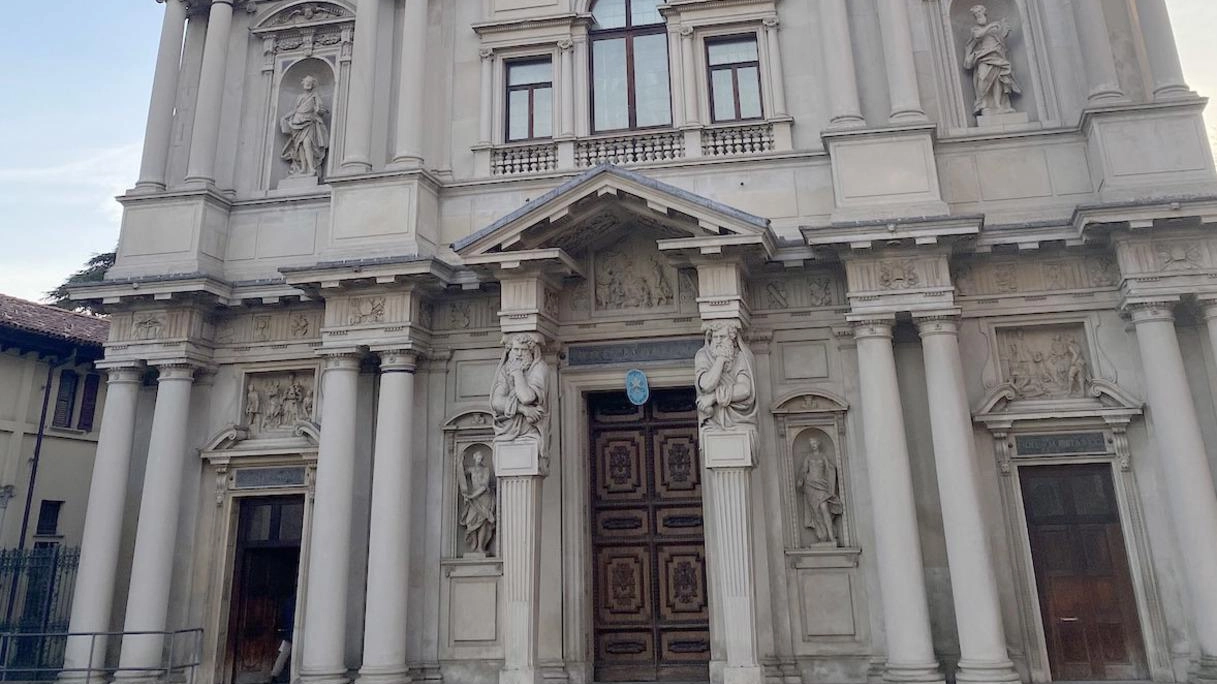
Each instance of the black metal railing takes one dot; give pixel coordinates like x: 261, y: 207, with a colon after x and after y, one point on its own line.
x: 180, y: 653
x: 36, y: 590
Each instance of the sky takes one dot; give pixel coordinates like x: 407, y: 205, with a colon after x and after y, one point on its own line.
x: 74, y: 99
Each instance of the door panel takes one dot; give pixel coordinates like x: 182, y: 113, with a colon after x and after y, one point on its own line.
x: 1081, y: 570
x: 652, y: 610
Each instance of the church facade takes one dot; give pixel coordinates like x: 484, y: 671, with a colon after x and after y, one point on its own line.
x: 731, y: 341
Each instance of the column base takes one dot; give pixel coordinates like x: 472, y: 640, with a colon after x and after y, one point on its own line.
x: 341, y: 677
x: 751, y: 674
x: 384, y: 675
x: 520, y: 676
x: 1000, y: 671
x: 1206, y: 671
x: 927, y: 673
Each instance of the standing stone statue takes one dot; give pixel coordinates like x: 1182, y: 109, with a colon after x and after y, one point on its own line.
x: 988, y: 59
x: 818, y: 482
x: 307, y: 135
x: 518, y: 399
x: 726, y: 387
x: 479, y: 516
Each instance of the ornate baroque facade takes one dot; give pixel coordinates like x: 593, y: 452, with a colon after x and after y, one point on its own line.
x: 917, y: 292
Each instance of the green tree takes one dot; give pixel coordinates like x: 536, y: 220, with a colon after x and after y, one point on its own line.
x: 93, y: 271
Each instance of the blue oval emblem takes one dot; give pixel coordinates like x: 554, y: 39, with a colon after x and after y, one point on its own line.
x: 636, y: 387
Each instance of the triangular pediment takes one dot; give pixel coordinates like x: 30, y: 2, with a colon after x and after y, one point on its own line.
x: 594, y: 208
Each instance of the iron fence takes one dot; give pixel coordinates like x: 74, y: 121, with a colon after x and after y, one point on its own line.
x: 36, y: 588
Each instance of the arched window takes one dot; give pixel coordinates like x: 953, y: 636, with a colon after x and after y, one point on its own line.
x: 630, y: 85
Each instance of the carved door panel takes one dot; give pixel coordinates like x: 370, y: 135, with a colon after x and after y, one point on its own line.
x: 264, y: 586
x: 652, y: 620
x: 1081, y: 569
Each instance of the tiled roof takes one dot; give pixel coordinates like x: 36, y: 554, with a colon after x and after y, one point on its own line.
x: 52, y: 322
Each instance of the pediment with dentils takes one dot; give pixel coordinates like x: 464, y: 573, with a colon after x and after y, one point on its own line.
x: 594, y: 208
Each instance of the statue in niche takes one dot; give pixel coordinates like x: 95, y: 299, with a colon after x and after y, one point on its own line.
x: 307, y: 135
x: 726, y: 389
x: 477, y: 497
x: 987, y: 57
x: 818, y: 484
x: 518, y: 398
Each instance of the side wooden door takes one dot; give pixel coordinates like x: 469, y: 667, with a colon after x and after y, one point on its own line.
x: 1081, y: 570
x: 652, y: 613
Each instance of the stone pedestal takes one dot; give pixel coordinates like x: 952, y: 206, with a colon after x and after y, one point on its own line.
x: 1002, y: 120
x: 520, y: 473
x: 728, y: 457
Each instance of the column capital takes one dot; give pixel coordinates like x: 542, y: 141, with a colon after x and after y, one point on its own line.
x: 344, y: 360
x: 686, y: 31
x: 176, y: 370
x: 566, y: 45
x: 771, y: 22
x: 398, y: 361
x: 486, y: 53
x: 1208, y: 307
x: 944, y: 323
x: 1151, y: 311
x: 873, y: 326
x: 118, y: 372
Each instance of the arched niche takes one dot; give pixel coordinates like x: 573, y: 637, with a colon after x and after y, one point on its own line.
x: 1025, y: 51
x: 467, y: 436
x: 813, y: 459
x: 291, y: 90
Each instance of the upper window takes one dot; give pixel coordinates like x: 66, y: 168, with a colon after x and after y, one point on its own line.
x: 65, y: 401
x: 735, y: 78
x: 630, y: 83
x: 48, y: 518
x: 530, y: 99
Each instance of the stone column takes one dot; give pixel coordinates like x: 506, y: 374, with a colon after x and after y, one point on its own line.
x: 159, y: 131
x: 384, y: 632
x: 1160, y: 47
x: 1101, y: 77
x: 777, y: 78
x: 357, y: 156
x: 1185, y: 469
x: 687, y: 50
x: 486, y: 111
x: 329, y: 562
x: 901, y: 65
x: 906, y: 613
x: 411, y: 85
x: 839, y: 70
x: 566, y: 64
x: 209, y: 103
x: 92, y: 600
x: 982, y: 638
x: 156, y: 532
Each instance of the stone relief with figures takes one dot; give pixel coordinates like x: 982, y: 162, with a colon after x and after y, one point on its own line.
x: 633, y: 275
x: 818, y: 487
x: 268, y: 327
x: 813, y: 290
x: 1045, y: 362
x: 276, y: 401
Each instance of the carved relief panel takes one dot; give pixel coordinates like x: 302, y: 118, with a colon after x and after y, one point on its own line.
x: 994, y: 277
x: 274, y: 402
x: 811, y: 290
x: 1045, y: 361
x: 276, y: 327
x: 628, y: 277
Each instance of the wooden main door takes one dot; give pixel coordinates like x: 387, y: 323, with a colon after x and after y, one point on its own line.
x: 1081, y: 569
x: 652, y: 612
x: 264, y: 587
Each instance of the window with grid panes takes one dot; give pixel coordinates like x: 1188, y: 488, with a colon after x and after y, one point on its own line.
x: 630, y: 82
x: 735, y: 78
x: 530, y: 99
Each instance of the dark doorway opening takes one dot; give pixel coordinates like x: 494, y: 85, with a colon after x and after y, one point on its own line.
x: 264, y: 588
x: 1081, y: 569
x: 652, y: 612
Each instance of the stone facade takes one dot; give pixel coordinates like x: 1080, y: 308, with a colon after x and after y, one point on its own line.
x: 961, y: 248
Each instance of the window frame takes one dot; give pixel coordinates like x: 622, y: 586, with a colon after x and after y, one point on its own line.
x: 531, y: 88
x: 628, y: 33
x: 44, y: 506
x: 734, y: 68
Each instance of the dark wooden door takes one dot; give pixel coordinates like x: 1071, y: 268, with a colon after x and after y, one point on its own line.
x: 264, y: 586
x: 1081, y: 569
x: 652, y: 612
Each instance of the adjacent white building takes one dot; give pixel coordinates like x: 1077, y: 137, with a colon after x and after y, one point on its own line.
x: 920, y: 296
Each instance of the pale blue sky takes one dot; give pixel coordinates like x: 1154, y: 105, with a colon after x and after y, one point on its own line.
x: 75, y: 96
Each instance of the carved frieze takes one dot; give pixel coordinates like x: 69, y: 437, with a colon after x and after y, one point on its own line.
x: 157, y: 326
x: 805, y: 291
x: 272, y: 328
x: 989, y: 277
x: 466, y: 313
x: 1045, y: 362
x: 632, y: 276
x: 274, y: 402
